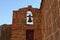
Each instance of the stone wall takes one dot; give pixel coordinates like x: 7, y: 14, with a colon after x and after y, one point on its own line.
x: 5, y: 32
x: 19, y: 25
x: 50, y: 10
x: 0, y: 32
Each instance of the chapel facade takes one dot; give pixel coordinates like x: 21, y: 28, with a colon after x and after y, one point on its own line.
x: 27, y: 24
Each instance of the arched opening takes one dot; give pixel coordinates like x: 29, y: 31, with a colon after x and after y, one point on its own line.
x: 29, y: 18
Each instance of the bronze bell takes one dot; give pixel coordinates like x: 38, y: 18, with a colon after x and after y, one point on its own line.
x: 29, y: 20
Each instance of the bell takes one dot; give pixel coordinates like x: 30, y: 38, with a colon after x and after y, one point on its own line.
x: 29, y: 20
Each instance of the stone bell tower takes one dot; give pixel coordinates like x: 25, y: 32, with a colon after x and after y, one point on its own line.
x: 26, y: 24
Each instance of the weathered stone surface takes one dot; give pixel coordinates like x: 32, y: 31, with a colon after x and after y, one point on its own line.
x: 19, y: 26
x: 51, y: 24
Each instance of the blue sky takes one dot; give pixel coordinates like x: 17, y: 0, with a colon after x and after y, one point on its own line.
x: 7, y: 7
